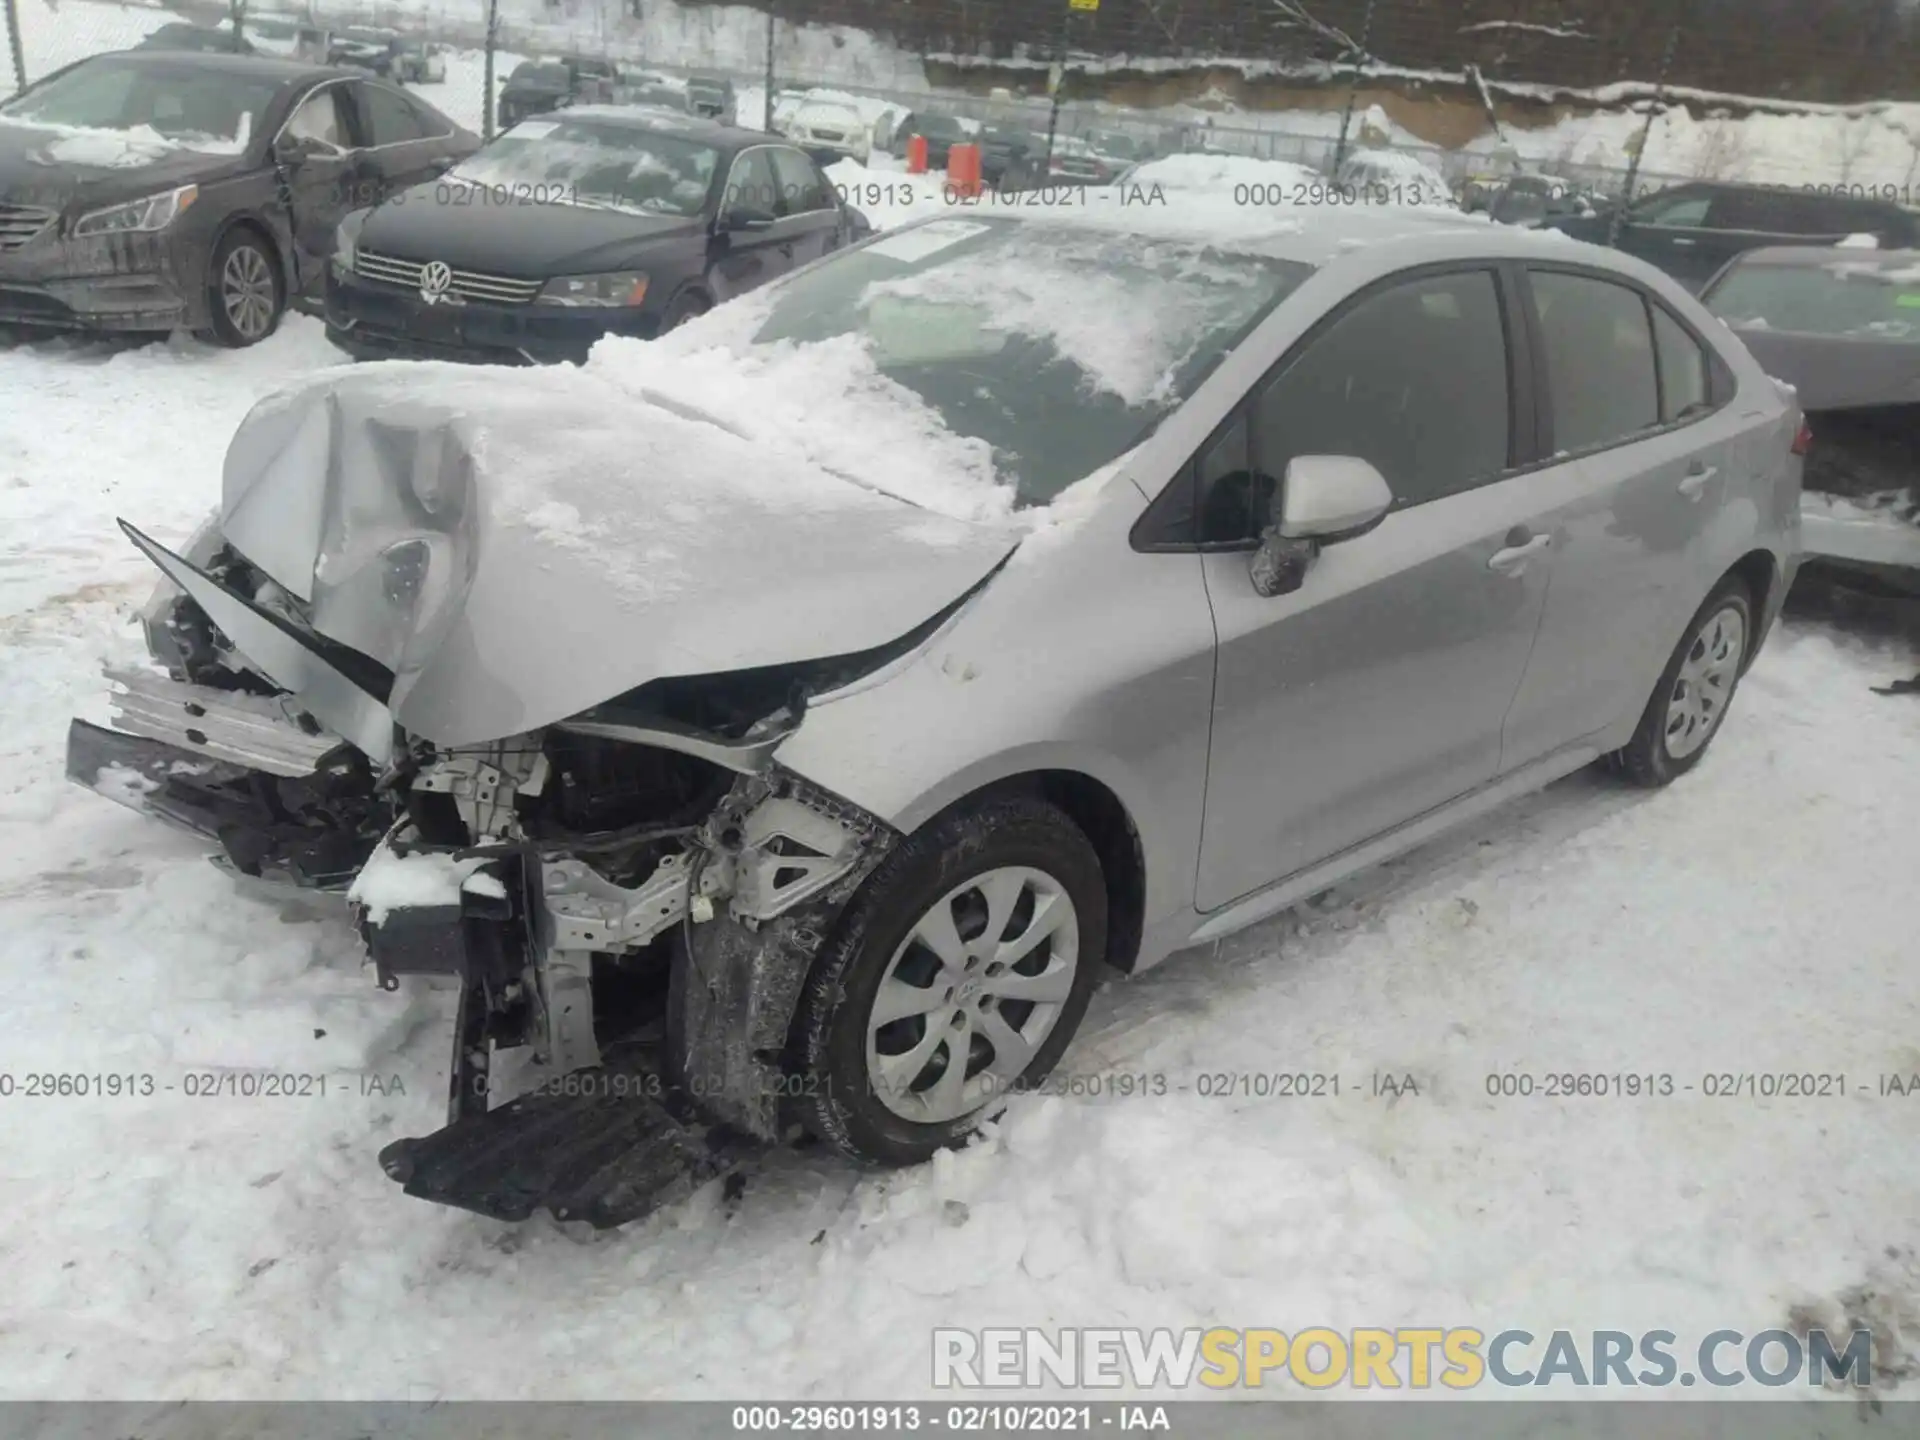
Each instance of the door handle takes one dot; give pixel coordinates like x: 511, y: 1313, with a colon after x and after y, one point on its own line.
x: 1513, y: 559
x: 1683, y: 240
x: 1696, y: 478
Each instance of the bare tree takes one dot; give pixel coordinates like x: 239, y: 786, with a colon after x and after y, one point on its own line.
x: 1294, y: 15
x: 1167, y: 27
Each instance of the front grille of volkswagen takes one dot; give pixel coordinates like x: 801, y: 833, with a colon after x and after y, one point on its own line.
x: 20, y: 223
x: 467, y: 284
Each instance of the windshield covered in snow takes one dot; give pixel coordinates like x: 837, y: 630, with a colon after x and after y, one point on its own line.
x: 1863, y: 300
x: 158, y: 107
x: 599, y: 165
x: 1059, y: 347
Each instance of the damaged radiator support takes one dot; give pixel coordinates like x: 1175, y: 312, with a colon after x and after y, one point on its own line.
x: 619, y: 1129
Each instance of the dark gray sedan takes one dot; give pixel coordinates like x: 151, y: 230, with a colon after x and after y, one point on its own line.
x: 153, y: 190
x: 1842, y: 326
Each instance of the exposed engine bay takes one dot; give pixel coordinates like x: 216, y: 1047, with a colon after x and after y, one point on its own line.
x: 562, y: 877
x: 415, y: 661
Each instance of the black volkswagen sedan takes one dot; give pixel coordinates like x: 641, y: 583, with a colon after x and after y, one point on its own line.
x: 597, y: 220
x: 152, y: 190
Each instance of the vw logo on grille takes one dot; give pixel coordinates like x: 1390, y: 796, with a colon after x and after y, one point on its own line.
x: 435, y: 277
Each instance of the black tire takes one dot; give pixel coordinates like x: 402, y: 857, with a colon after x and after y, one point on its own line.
x: 243, y: 252
x: 684, y: 307
x: 1649, y: 758
x: 839, y: 1104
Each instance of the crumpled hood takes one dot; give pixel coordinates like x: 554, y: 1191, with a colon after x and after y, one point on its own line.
x: 520, y: 546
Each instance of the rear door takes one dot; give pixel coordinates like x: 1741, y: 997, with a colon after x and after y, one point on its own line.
x: 1376, y: 691
x: 1742, y: 220
x: 1669, y: 230
x: 405, y: 141
x: 1632, y: 413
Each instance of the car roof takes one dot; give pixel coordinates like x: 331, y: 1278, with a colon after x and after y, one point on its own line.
x: 220, y: 62
x: 694, y: 127
x: 1318, y: 235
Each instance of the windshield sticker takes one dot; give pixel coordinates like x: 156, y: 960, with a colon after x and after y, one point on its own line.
x: 535, y: 129
x: 925, y: 240
x: 1908, y: 301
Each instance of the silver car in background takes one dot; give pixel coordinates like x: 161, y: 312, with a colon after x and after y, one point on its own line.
x: 1318, y: 536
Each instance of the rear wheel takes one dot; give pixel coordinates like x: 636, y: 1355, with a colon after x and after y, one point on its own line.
x: 958, y: 978
x: 1690, y: 702
x: 246, y: 294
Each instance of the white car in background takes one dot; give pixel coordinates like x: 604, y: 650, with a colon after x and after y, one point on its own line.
x: 829, y: 131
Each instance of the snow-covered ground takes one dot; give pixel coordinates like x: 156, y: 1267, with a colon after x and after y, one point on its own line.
x: 1759, y: 916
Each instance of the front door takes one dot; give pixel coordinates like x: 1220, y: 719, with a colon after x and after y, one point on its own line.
x: 1376, y: 691
x: 322, y: 176
x: 751, y: 244
x: 810, y: 210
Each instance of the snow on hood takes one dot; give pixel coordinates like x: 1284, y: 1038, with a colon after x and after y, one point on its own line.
x: 826, y: 405
x: 520, y: 546
x: 128, y: 149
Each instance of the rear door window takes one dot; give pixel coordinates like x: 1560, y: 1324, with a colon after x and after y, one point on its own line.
x: 1764, y: 210
x: 1685, y: 369
x: 1686, y: 211
x: 1598, y: 353
x: 390, y: 118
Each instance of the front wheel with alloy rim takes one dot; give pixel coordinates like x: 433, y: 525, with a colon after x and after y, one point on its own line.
x: 956, y: 978
x: 246, y: 294
x: 1690, y: 702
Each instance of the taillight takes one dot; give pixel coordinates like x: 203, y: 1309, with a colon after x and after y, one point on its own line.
x: 1803, y: 438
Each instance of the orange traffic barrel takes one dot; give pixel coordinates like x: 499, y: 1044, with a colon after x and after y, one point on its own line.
x: 963, y: 170
x: 916, y: 154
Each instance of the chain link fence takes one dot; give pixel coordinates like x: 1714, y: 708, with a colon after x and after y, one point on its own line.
x: 1330, y: 81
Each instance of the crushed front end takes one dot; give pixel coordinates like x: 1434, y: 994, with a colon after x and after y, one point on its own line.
x: 419, y: 660
x: 629, y: 900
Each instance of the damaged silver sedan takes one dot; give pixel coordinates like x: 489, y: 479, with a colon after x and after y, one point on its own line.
x: 776, y: 728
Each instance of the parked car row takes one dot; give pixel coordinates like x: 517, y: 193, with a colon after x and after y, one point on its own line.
x: 385, y: 53
x: 158, y: 189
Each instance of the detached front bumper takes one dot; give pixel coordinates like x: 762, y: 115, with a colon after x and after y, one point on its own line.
x: 372, y: 321
x: 283, y: 800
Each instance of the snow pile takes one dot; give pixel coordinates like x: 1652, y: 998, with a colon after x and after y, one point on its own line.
x: 390, y: 882
x: 1223, y: 175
